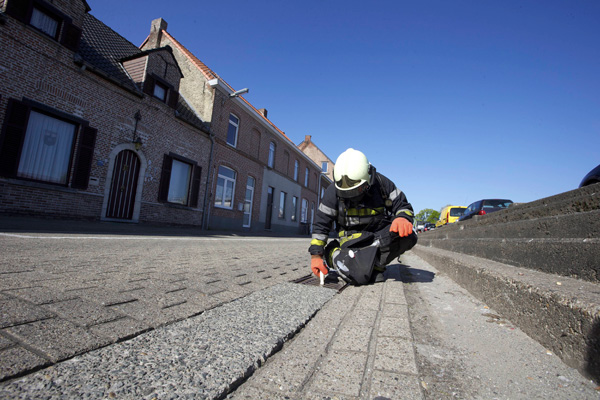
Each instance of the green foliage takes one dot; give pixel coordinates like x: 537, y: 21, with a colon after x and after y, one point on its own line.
x: 428, y: 215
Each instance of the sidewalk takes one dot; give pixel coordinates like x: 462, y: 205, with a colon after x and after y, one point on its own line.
x: 359, y: 346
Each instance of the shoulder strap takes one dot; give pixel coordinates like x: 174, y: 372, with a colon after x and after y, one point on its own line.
x: 385, y: 195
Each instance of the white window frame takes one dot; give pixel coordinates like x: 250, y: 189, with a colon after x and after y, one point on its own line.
x: 324, y: 166
x: 294, y: 208
x: 306, y: 174
x: 282, y: 201
x: 271, y: 160
x: 223, y: 181
x: 185, y: 183
x: 296, y: 168
x: 304, y: 211
x: 236, y: 125
x: 248, y: 201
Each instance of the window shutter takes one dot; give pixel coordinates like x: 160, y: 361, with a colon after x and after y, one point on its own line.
x: 173, y: 97
x: 83, y: 162
x: 149, y: 85
x: 165, y: 178
x: 11, y: 141
x: 70, y: 36
x: 18, y: 9
x: 195, y: 186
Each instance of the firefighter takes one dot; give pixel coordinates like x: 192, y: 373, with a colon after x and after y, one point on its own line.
x: 373, y: 219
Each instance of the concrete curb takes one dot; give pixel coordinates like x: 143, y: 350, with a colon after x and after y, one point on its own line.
x: 561, y: 313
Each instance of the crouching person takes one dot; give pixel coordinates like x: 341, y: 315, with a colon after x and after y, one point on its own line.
x: 373, y: 220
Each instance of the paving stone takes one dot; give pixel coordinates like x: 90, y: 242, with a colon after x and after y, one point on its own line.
x: 5, y: 343
x: 16, y: 311
x: 41, y: 295
x: 341, y: 372
x: 16, y: 359
x: 393, y: 310
x: 353, y: 337
x: 105, y: 296
x: 150, y: 314
x: 363, y: 316
x: 123, y: 328
x: 394, y: 386
x: 395, y: 355
x: 83, y: 312
x: 398, y: 327
x: 57, y: 338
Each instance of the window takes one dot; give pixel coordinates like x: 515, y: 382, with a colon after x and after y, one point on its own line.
x: 225, y: 188
x: 296, y: 170
x: 232, y: 131
x: 46, y: 149
x: 322, y: 192
x: 45, y: 22
x: 271, y: 161
x: 304, y: 211
x: 47, y: 19
x: 306, y: 177
x: 294, y: 208
x: 324, y: 166
x: 248, y: 202
x: 282, y: 198
x: 39, y: 144
x: 180, y: 181
x: 160, y: 91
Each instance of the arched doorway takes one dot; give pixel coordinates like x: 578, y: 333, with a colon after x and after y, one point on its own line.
x: 121, y: 198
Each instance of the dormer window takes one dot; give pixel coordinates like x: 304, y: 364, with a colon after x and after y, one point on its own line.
x: 45, y: 22
x: 160, y: 91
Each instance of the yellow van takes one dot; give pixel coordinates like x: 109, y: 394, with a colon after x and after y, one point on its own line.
x: 449, y: 215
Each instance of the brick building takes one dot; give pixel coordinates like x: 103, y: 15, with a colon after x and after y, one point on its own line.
x: 309, y: 148
x: 92, y: 126
x: 259, y: 179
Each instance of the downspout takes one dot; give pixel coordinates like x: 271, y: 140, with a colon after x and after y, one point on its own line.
x: 211, y: 136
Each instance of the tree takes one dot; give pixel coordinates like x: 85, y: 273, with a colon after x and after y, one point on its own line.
x: 428, y: 215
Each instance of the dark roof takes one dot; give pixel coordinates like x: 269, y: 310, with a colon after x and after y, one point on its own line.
x: 103, y: 49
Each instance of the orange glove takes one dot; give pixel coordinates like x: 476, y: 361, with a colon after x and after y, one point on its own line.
x: 402, y: 226
x: 317, y: 265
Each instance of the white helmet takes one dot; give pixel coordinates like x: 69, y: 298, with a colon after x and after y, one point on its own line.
x: 352, y: 174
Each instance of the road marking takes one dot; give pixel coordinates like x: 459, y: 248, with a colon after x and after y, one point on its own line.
x: 261, y: 239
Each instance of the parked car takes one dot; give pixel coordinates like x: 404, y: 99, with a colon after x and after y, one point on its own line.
x: 485, y: 206
x: 429, y: 226
x: 420, y: 226
x: 449, y: 215
x: 592, y: 177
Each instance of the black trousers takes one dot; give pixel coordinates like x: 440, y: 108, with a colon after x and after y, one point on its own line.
x: 397, y: 245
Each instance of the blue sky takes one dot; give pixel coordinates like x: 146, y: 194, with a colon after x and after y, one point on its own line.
x: 453, y: 100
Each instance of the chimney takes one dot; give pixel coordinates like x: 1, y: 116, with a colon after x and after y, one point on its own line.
x: 263, y: 111
x: 307, y: 138
x: 158, y: 25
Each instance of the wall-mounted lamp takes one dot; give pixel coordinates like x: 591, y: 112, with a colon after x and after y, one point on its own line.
x: 138, y: 143
x: 238, y: 92
x: 136, y: 140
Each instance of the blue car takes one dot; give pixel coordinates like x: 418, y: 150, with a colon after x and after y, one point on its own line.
x: 485, y: 206
x: 592, y: 177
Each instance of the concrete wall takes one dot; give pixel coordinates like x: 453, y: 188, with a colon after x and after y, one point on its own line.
x: 538, y: 265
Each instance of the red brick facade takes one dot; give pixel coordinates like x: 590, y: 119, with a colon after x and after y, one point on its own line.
x: 40, y: 72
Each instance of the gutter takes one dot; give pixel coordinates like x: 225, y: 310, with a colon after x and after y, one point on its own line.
x: 211, y: 136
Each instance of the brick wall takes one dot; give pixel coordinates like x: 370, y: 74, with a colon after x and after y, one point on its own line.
x: 38, y: 68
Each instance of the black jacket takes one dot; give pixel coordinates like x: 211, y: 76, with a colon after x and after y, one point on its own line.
x: 367, y: 215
